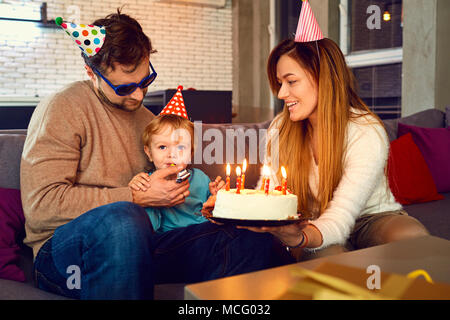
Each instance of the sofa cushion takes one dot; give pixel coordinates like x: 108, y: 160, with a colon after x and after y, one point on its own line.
x: 434, y: 144
x: 13, y: 290
x: 11, y: 234
x: 431, y: 118
x: 447, y: 117
x: 433, y: 215
x: 409, y: 177
x: 11, y: 146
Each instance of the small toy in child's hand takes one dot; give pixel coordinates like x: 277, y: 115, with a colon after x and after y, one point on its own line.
x: 182, y: 175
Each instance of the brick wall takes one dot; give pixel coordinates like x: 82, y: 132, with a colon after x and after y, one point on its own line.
x: 194, y: 46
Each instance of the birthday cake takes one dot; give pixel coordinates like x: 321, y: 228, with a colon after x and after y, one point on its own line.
x: 255, y: 205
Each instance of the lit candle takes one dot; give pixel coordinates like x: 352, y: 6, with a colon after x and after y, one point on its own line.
x: 244, y: 167
x: 267, y: 185
x: 227, y: 186
x: 284, y: 180
x: 263, y: 184
x: 238, y: 180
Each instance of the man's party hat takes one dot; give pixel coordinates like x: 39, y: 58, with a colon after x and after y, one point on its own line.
x: 308, y: 29
x: 176, y: 105
x: 89, y: 38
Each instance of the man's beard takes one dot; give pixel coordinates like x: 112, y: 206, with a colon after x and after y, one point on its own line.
x: 104, y: 99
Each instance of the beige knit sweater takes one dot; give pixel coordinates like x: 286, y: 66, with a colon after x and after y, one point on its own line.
x: 79, y: 154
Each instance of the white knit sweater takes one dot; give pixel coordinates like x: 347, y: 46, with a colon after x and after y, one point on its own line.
x: 363, y: 188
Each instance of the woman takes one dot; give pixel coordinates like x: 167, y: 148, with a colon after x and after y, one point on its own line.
x: 335, y: 150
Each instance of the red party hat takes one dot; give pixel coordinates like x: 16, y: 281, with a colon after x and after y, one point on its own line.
x: 176, y: 105
x: 308, y: 29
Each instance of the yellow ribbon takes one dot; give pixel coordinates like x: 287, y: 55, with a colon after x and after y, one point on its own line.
x: 420, y: 272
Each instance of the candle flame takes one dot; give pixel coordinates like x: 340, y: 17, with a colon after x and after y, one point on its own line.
x: 266, y: 171
x: 228, y: 169
x: 244, y: 166
x: 283, y: 172
x: 238, y: 171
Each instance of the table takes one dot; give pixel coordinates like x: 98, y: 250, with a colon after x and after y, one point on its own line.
x: 429, y: 253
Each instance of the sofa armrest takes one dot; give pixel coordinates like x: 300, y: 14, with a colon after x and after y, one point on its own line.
x: 11, y: 146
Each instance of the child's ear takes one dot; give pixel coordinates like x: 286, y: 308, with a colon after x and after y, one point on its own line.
x: 147, y: 152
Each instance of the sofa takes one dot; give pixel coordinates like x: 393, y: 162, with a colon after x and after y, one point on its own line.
x: 435, y: 215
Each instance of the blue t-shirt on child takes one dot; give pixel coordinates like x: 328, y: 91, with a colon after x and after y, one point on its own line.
x: 167, y: 218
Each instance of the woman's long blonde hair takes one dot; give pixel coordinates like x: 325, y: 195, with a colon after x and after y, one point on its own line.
x: 336, y: 94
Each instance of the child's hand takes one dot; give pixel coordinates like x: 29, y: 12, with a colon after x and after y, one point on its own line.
x: 208, y: 206
x: 140, y: 182
x: 216, y: 185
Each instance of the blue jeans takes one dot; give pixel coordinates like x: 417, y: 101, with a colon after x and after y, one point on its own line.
x: 111, y: 252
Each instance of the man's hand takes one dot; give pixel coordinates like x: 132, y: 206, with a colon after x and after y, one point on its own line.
x: 216, y: 185
x: 162, y: 191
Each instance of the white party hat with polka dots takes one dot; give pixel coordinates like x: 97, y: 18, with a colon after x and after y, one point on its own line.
x: 89, y: 38
x: 176, y: 105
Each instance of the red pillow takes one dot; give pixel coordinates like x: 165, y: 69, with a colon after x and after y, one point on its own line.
x: 434, y: 144
x: 409, y: 176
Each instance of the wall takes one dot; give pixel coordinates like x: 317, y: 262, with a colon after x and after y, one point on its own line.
x: 327, y: 15
x: 194, y: 46
x: 426, y: 48
x: 251, y: 49
x: 442, y: 55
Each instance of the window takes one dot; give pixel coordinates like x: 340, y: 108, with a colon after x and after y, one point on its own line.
x: 20, y: 11
x: 371, y: 39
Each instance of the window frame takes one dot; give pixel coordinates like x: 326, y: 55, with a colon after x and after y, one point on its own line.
x: 367, y: 58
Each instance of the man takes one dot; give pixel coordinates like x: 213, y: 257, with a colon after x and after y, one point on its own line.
x: 90, y: 236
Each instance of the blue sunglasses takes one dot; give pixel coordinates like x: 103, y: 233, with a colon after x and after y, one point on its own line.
x: 127, y: 89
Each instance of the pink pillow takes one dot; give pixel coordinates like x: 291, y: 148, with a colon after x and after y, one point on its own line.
x: 12, y: 232
x: 434, y: 144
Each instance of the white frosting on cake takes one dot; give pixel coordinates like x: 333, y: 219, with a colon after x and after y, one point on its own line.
x: 255, y: 205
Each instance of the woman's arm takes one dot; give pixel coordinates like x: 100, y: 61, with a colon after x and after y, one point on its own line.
x: 367, y: 152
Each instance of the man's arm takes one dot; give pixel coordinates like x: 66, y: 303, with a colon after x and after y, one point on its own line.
x: 51, y: 193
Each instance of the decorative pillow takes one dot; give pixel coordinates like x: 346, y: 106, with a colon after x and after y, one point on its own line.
x: 409, y: 177
x: 11, y: 233
x: 434, y: 144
